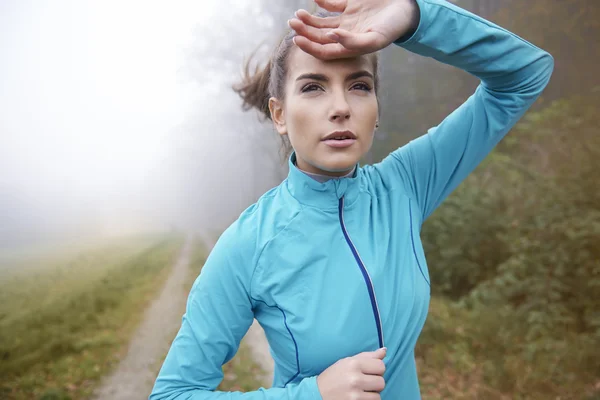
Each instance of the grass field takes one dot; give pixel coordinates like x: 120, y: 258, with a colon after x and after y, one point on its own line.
x: 65, y: 316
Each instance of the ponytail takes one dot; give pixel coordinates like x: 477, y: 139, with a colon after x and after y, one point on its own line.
x: 254, y: 88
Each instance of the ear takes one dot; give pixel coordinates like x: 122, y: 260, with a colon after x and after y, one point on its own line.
x: 278, y: 115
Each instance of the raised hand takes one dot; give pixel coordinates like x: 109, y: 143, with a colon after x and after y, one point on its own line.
x: 364, y: 26
x: 359, y: 377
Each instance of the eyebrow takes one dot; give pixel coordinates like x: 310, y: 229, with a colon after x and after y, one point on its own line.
x: 323, y: 78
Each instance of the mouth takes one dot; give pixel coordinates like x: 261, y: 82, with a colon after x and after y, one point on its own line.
x: 340, y: 139
x: 340, y: 135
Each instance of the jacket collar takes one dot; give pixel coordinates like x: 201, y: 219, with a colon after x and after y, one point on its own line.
x: 324, y: 195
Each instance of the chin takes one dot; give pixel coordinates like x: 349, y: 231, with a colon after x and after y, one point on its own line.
x: 339, y: 163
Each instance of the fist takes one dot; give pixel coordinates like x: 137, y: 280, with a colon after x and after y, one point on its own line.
x: 354, y: 378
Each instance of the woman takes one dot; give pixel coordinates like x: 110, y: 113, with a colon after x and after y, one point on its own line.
x: 330, y: 262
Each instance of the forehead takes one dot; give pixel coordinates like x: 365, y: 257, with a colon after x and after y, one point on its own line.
x: 300, y: 63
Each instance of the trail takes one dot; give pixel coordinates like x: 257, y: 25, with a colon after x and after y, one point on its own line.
x: 255, y: 338
x: 134, y: 377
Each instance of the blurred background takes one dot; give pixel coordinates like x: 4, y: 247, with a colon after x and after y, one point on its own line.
x: 124, y: 153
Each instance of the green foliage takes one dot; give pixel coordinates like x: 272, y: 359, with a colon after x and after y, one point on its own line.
x: 447, y: 359
x: 518, y: 245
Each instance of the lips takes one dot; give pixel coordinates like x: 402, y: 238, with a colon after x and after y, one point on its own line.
x: 340, y: 135
x: 340, y: 139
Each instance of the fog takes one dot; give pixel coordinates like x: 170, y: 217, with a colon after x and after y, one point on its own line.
x: 118, y: 124
x: 117, y: 117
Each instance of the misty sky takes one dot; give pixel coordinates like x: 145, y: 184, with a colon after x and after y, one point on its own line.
x: 89, y: 89
x: 90, y: 92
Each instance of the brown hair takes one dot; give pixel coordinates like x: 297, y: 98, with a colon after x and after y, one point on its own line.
x: 258, y: 86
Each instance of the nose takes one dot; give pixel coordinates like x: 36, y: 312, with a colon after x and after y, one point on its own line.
x: 340, y: 109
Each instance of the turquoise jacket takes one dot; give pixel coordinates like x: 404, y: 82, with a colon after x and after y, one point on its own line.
x: 337, y: 268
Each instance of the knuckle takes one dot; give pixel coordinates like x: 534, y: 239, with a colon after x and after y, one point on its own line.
x: 354, y: 381
x: 353, y: 363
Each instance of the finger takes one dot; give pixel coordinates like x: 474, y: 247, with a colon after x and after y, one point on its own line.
x: 328, y: 51
x: 311, y: 33
x: 372, y: 366
x: 318, y: 22
x: 379, y: 353
x: 332, y: 5
x: 373, y: 383
x: 362, y: 42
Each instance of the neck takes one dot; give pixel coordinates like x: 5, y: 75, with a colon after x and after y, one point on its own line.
x: 322, y: 191
x: 325, y: 178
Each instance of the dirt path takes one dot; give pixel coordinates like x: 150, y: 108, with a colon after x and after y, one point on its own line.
x: 134, y: 377
x: 257, y: 342
x: 255, y: 338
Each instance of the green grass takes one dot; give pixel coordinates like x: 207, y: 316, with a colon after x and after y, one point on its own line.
x: 197, y: 259
x: 241, y: 373
x: 64, y: 322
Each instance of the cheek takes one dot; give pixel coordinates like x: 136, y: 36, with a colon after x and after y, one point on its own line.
x: 366, y: 111
x: 301, y: 118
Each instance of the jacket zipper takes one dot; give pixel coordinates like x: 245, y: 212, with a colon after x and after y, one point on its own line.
x: 365, y: 274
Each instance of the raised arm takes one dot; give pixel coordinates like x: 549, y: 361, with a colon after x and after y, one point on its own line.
x: 513, y: 73
x: 218, y: 314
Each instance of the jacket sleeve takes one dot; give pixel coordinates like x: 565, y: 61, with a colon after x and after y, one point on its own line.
x: 218, y: 314
x: 513, y: 73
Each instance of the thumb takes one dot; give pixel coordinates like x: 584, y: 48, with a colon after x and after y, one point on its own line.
x: 379, y: 353
x: 362, y: 42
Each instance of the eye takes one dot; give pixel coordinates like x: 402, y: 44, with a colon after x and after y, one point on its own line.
x: 362, y: 86
x: 311, y: 87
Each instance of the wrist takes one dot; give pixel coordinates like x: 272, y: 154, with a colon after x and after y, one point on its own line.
x: 414, y: 15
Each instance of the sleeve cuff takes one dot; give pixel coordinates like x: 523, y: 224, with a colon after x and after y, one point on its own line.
x: 312, y: 388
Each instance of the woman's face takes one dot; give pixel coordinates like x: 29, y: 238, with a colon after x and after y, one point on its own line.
x: 326, y: 101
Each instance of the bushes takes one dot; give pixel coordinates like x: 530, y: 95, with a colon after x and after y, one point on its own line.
x: 518, y: 246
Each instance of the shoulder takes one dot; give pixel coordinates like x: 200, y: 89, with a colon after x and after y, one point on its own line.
x: 392, y: 174
x: 258, y: 224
